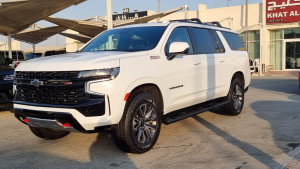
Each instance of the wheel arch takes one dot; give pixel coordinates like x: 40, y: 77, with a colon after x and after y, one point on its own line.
x: 149, y: 88
x: 239, y: 75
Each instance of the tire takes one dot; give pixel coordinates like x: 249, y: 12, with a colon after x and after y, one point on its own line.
x: 48, y: 134
x: 140, y: 125
x: 235, y: 97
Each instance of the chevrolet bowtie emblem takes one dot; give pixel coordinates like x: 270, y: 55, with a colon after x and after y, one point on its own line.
x: 36, y: 83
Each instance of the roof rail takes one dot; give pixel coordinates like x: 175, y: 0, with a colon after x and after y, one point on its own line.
x: 214, y: 23
x: 188, y: 20
x: 193, y: 20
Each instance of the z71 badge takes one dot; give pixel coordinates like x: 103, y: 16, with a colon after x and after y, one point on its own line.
x: 154, y: 57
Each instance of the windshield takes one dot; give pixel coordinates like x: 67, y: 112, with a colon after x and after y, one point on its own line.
x: 2, y: 59
x: 127, y: 39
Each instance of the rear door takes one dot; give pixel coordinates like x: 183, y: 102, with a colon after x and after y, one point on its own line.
x: 210, y: 51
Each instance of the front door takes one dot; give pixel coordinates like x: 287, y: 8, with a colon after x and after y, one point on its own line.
x: 292, y: 53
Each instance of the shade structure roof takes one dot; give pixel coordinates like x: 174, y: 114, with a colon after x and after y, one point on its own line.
x: 79, y: 37
x: 88, y: 28
x: 93, y: 28
x: 37, y: 36
x: 17, y: 15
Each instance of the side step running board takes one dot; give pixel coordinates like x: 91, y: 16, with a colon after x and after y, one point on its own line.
x: 184, y: 115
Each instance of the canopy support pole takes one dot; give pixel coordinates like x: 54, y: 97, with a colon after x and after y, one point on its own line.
x: 9, y: 46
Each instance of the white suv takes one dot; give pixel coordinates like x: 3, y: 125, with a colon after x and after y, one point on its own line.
x: 132, y: 79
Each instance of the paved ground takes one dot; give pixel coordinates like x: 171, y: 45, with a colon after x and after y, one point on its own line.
x: 261, y: 137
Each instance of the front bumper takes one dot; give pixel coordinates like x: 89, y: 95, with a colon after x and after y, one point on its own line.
x: 86, y: 117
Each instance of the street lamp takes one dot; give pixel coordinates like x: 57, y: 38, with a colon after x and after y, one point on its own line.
x: 228, y: 3
x: 158, y: 10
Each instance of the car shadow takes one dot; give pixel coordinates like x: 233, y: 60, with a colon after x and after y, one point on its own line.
x: 284, y: 119
x: 251, y: 150
x: 277, y: 85
x: 101, y: 154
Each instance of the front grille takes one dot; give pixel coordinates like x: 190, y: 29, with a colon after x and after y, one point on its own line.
x: 47, y: 75
x: 58, y: 88
x: 51, y: 95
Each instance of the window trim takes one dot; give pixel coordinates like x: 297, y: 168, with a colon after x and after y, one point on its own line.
x: 212, y: 38
x: 214, y: 33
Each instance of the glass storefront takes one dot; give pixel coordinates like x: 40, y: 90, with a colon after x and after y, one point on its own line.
x: 287, y: 40
x: 253, y: 43
x: 276, y: 49
x: 292, y: 55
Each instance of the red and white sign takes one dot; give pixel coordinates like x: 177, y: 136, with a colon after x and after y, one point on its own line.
x: 283, y: 11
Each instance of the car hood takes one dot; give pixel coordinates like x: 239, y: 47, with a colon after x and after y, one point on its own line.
x: 75, y: 61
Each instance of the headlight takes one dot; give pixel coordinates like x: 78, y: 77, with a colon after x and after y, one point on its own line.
x: 110, y: 74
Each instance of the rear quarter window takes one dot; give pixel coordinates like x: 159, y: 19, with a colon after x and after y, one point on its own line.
x: 234, y: 41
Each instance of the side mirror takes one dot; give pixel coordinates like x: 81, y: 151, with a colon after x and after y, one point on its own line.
x: 9, y: 60
x: 178, y: 48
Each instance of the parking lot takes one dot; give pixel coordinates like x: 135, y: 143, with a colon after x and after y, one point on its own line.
x: 261, y: 137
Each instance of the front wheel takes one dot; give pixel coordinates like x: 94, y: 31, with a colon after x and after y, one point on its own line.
x: 48, y: 134
x: 140, y: 126
x: 235, y: 97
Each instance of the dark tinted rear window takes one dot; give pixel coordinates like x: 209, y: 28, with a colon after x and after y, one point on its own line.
x: 20, y: 56
x: 234, y: 41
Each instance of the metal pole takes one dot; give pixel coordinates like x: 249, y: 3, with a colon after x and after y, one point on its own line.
x: 109, y: 14
x: 158, y: 10
x: 33, y: 48
x: 246, y: 25
x: 186, y: 11
x: 9, y: 46
x: 261, y: 48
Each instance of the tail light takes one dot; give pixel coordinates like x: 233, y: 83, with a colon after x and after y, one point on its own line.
x: 299, y: 79
x: 250, y: 62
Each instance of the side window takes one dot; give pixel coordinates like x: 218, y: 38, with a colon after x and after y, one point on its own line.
x: 14, y: 56
x: 234, y: 41
x: 20, y: 56
x: 179, y: 34
x: 203, y: 40
x: 220, y: 47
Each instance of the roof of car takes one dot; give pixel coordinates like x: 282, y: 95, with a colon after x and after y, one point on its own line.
x: 178, y: 23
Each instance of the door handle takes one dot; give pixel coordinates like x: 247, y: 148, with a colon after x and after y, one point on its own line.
x: 197, y: 63
x: 221, y: 61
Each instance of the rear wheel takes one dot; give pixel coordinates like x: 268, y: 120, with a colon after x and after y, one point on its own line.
x: 48, y: 134
x: 235, y: 97
x: 140, y: 126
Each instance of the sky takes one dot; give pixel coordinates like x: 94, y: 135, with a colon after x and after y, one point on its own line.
x: 91, y: 8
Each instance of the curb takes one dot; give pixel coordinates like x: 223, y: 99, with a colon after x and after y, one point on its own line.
x: 290, y: 157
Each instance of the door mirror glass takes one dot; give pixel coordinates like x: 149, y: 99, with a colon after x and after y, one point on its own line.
x: 177, y: 48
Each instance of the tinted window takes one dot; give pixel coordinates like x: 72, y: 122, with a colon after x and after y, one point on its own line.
x: 127, y: 39
x: 220, y: 47
x: 14, y: 56
x: 20, y: 56
x: 233, y: 41
x: 33, y: 55
x: 179, y: 34
x: 203, y: 41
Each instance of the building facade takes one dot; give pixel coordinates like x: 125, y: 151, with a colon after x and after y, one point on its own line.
x: 271, y: 33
